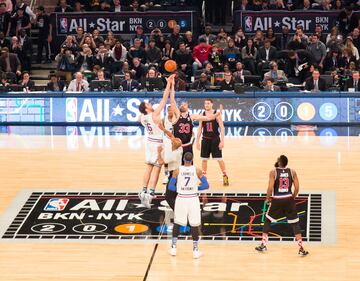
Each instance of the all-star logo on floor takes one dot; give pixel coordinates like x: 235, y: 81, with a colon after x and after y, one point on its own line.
x: 119, y: 215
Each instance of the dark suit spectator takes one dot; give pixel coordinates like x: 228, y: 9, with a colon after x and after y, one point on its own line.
x: 55, y: 84
x: 27, y: 52
x: 270, y: 87
x: 5, y: 19
x: 19, y: 21
x: 63, y: 7
x: 266, y: 54
x: 348, y: 20
x: 240, y: 39
x: 117, y: 6
x: 153, y: 54
x: 104, y: 59
x: 231, y: 54
x: 180, y: 84
x: 332, y: 61
x: 4, y: 42
x: 10, y: 63
x: 136, y: 51
x: 249, y: 55
x: 26, y: 83
x: 209, y: 38
x: 275, y: 73
x: 183, y: 58
x: 228, y: 83
x: 175, y: 37
x: 139, y: 70
x: 45, y: 37
x: 189, y: 41
x: 354, y: 82
x: 284, y: 39
x: 129, y: 84
x: 157, y: 35
x: 315, y: 83
x: 239, y: 74
x: 85, y: 59
x: 200, y: 84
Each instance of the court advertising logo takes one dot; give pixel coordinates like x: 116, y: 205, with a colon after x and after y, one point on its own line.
x: 120, y: 216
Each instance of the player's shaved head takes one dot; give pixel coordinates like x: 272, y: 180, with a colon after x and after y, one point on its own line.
x: 188, y: 157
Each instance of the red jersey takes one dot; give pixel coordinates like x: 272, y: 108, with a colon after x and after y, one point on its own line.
x: 201, y: 53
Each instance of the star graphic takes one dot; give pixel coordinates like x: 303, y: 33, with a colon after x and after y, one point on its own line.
x: 92, y: 24
x: 277, y: 24
x: 117, y: 110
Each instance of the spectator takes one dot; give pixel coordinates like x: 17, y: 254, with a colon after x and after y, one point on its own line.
x: 104, y: 7
x: 63, y: 7
x: 26, y: 83
x: 270, y: 35
x: 275, y: 73
x: 85, y: 59
x: 334, y: 40
x: 249, y: 55
x: 168, y: 52
x: 296, y: 43
x: 119, y: 55
x: 10, y: 63
x: 20, y: 4
x: 200, y: 84
x: 239, y: 74
x: 208, y: 69
x: 348, y: 20
x: 78, y: 8
x: 4, y: 42
x: 139, y: 70
x: 258, y: 39
x: 332, y: 60
x: 266, y: 54
x: 5, y: 19
x: 303, y: 37
x: 209, y: 38
x: 216, y: 58
x: 110, y: 39
x: 318, y: 50
x: 65, y: 63
x: 228, y: 84
x: 222, y: 39
x: 338, y: 5
x: 100, y: 75
x: 240, y: 39
x: 79, y: 84
x: 88, y: 40
x: 189, y: 41
x: 180, y: 84
x: 135, y: 7
x: 355, y: 36
x: 284, y: 39
x: 80, y: 35
x: 19, y: 21
x: 70, y: 44
x: 55, y: 84
x: 125, y: 68
x: 45, y: 37
x: 98, y: 39
x: 270, y: 87
x: 153, y: 54
x: 136, y: 51
x: 315, y: 83
x: 144, y: 40
x: 347, y: 59
x: 352, y: 84
x: 104, y: 59
x: 129, y: 85
x: 117, y: 7
x: 297, y: 64
x: 350, y: 45
x: 200, y: 55
x: 183, y: 58
x: 157, y: 35
x: 151, y: 75
x: 306, y: 5
x: 9, y: 7
x: 245, y: 6
x: 231, y: 54
x: 175, y: 37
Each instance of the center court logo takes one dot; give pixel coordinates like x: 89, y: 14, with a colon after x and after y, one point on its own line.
x: 56, y: 204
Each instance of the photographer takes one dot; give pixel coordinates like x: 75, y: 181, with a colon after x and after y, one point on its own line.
x: 65, y: 63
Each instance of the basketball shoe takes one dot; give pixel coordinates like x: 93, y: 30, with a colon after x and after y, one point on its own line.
x: 172, y: 251
x: 197, y: 254
x: 261, y: 248
x: 302, y: 252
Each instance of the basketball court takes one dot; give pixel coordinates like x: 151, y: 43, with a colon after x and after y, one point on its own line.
x: 101, y: 233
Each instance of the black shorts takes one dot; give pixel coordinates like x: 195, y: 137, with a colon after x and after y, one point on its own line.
x: 211, y: 146
x: 283, y: 208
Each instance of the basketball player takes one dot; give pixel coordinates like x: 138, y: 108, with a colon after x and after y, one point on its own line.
x: 281, y: 202
x: 150, y: 119
x: 187, y: 206
x: 213, y: 134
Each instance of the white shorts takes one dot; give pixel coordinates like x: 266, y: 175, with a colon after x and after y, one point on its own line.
x: 151, y: 153
x: 167, y: 149
x: 187, y: 209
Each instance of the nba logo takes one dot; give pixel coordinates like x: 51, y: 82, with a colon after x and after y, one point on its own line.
x: 63, y: 25
x: 56, y: 204
x: 248, y: 23
x: 71, y: 109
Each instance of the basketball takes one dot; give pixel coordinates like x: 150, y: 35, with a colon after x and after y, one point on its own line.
x: 170, y: 66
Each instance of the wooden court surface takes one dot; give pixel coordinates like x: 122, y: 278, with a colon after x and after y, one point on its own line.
x: 44, y: 162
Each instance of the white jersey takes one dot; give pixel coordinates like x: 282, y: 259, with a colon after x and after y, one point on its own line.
x: 187, y: 180
x: 153, y: 131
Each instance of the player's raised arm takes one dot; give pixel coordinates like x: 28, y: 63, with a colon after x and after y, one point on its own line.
x: 270, y: 186
x: 198, y: 135
x: 296, y: 183
x: 167, y: 132
x: 164, y: 99
x: 172, y: 98
x: 222, y: 131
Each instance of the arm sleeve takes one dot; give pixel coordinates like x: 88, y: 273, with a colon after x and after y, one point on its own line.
x: 172, y: 184
x: 204, y: 183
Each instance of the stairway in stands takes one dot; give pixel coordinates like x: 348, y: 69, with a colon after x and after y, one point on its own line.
x: 40, y: 72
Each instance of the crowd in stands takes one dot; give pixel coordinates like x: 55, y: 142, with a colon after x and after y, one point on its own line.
x: 212, y: 61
